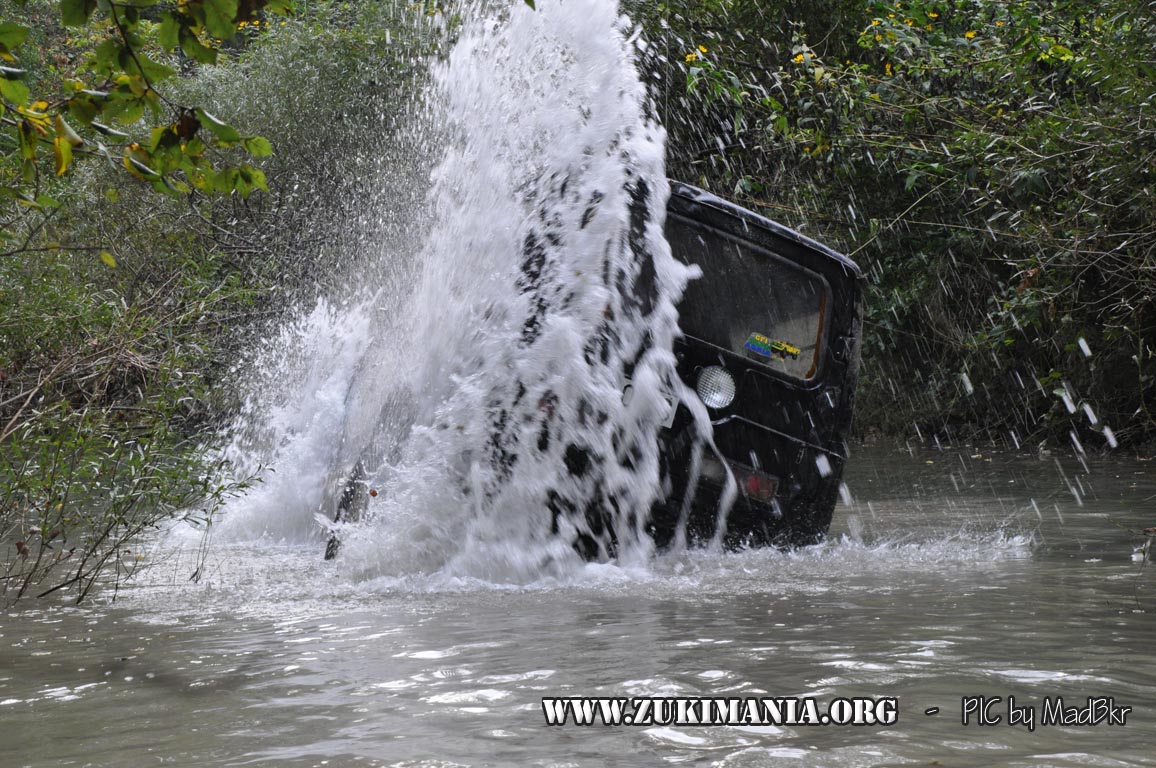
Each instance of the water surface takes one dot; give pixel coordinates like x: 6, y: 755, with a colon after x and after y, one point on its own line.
x: 940, y: 581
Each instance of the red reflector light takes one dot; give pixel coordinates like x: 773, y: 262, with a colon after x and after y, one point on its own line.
x: 752, y: 483
x: 755, y: 484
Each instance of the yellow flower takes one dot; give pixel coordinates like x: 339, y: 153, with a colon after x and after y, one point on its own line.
x: 969, y: 34
x: 878, y: 37
x: 702, y: 48
x: 891, y: 15
x: 933, y: 15
x: 999, y: 23
x: 909, y: 22
x: 874, y: 22
x: 692, y: 56
x: 800, y: 58
x: 929, y: 27
x: 887, y: 67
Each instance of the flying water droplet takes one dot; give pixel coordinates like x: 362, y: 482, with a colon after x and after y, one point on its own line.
x: 1110, y: 436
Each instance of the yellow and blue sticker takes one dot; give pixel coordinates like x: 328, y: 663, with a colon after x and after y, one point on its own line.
x: 764, y: 346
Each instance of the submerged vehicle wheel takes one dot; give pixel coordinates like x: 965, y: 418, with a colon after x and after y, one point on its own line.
x: 351, y: 505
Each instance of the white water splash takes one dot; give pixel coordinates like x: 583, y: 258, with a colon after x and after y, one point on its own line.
x: 482, y: 394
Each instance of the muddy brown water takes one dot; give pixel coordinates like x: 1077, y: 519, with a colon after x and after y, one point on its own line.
x: 951, y: 573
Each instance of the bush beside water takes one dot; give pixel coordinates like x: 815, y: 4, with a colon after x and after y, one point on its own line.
x: 128, y: 301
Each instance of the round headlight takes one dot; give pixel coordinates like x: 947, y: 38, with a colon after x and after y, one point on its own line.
x: 716, y: 387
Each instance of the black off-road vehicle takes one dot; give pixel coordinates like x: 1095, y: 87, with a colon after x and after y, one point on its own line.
x: 770, y: 344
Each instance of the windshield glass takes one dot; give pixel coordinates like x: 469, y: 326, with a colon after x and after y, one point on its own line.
x: 750, y: 301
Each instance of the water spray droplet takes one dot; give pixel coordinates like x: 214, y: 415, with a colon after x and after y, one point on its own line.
x: 1067, y: 397
x: 1110, y: 436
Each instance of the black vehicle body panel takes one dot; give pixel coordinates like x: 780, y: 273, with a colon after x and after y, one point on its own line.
x: 790, y: 427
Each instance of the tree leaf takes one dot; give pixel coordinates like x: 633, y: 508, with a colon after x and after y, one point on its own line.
x: 169, y: 34
x: 250, y: 178
x: 65, y: 131
x: 151, y: 70
x: 12, y: 35
x: 192, y: 47
x: 139, y: 169
x: 222, y: 131
x: 75, y: 13
x: 220, y: 18
x: 225, y: 180
x: 14, y: 91
x: 85, y: 108
x: 127, y: 109
x: 28, y: 139
x: 257, y: 146
x: 162, y: 136
x: 110, y: 132
x: 108, y: 259
x: 62, y: 150
x: 283, y: 7
x: 194, y: 148
x: 106, y: 59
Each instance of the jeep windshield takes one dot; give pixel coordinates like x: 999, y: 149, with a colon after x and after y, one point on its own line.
x: 750, y: 301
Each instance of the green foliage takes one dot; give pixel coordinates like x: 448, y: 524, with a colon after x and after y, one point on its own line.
x: 134, y: 50
x: 112, y: 324
x: 99, y: 398
x: 125, y: 308
x: 989, y: 164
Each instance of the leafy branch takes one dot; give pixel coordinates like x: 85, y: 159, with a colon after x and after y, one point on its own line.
x: 104, y: 102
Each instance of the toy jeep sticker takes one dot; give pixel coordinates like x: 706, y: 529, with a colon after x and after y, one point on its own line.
x: 764, y: 346
x: 785, y: 350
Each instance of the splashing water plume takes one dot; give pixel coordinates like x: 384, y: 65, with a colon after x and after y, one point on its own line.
x: 481, y: 395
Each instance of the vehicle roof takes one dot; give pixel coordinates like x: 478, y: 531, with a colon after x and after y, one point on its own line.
x: 706, y: 199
